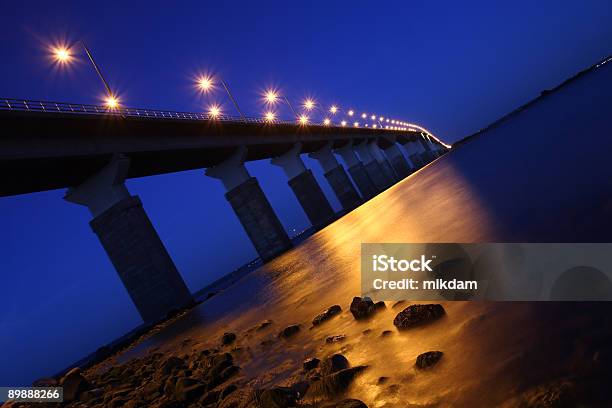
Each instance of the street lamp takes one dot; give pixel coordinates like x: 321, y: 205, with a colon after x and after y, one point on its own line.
x: 206, y: 83
x: 63, y: 56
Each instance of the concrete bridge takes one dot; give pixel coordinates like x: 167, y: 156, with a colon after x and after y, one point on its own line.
x: 91, y: 150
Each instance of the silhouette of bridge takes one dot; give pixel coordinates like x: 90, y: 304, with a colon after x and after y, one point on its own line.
x: 92, y: 149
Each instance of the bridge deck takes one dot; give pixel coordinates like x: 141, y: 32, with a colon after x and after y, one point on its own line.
x: 48, y: 150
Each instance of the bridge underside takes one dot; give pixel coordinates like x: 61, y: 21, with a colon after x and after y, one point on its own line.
x: 43, y: 151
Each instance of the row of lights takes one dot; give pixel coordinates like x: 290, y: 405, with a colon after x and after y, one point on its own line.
x: 272, y: 97
x: 63, y: 55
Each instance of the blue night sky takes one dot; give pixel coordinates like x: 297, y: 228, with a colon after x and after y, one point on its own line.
x: 452, y: 67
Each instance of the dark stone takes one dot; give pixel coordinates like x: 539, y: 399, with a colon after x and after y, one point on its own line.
x: 311, y: 363
x: 170, y: 364
x: 335, y: 384
x: 228, y: 338
x: 347, y: 403
x: 335, y: 339
x: 264, y: 324
x: 326, y: 315
x: 382, y: 380
x: 279, y: 397
x: 289, y: 331
x: 415, y: 315
x: 333, y: 363
x: 74, y: 384
x: 188, y: 389
x: 428, y: 359
x: 363, y: 308
x: 227, y: 391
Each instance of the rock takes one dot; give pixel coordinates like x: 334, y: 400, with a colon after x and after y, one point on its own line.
x: 188, y: 389
x: 91, y: 395
x: 386, y: 333
x: 335, y: 339
x: 415, y: 315
x: 170, y: 364
x: 332, y: 385
x: 264, y: 324
x: 228, y: 390
x: 311, y: 363
x: 363, y: 308
x: 428, y: 359
x: 366, y: 332
x: 228, y: 338
x: 74, y: 384
x: 347, y: 403
x: 382, y: 380
x: 45, y: 382
x: 289, y: 331
x: 279, y: 397
x: 326, y: 315
x: 209, y: 398
x: 333, y: 363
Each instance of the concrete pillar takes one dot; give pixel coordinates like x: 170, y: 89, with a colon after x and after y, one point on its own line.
x: 357, y: 171
x: 251, y: 206
x: 398, y: 161
x: 378, y: 155
x: 428, y: 154
x: 415, y: 151
x: 132, y: 244
x: 305, y: 187
x: 337, y: 178
x: 378, y: 176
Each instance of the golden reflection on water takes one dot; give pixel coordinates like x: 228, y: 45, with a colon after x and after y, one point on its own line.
x: 479, y: 340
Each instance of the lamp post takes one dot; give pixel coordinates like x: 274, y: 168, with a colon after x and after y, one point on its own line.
x: 205, y: 83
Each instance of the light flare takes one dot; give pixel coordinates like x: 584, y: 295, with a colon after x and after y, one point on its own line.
x: 309, y: 104
x: 303, y: 120
x: 204, y: 83
x: 270, y: 116
x: 214, y: 111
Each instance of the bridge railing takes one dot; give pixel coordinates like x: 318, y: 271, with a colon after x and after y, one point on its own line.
x: 88, y: 109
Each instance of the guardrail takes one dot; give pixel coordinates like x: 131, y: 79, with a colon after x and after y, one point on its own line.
x: 88, y: 109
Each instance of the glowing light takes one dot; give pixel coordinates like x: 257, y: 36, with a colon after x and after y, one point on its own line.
x: 327, y: 122
x: 366, y: 125
x: 333, y: 110
x: 270, y: 116
x: 387, y: 120
x: 374, y: 126
x: 214, y: 111
x: 363, y: 116
x: 356, y: 124
x: 381, y: 119
x: 373, y: 117
x: 393, y: 122
x: 309, y: 104
x: 271, y: 96
x: 303, y: 119
x: 204, y: 83
x: 351, y: 112
x: 61, y: 54
x: 343, y: 123
x: 111, y: 102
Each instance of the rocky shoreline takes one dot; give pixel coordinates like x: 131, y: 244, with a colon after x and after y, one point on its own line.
x: 213, y: 377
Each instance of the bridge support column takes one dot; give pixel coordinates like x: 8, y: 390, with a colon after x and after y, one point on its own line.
x: 132, y: 244
x: 414, y: 149
x: 357, y: 171
x: 305, y: 187
x: 251, y: 206
x: 428, y: 154
x: 398, y: 161
x: 373, y: 168
x: 378, y: 155
x: 337, y: 178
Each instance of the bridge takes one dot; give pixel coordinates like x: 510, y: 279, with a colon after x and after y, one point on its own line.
x: 91, y: 150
